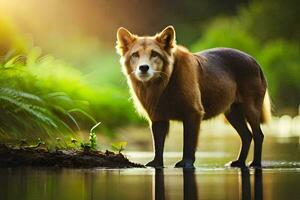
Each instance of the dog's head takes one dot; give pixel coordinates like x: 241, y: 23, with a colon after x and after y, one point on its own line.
x: 147, y: 58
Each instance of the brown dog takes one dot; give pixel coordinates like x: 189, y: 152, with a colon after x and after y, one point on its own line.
x: 168, y: 82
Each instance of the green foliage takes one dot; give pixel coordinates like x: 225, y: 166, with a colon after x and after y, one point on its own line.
x: 119, y: 146
x: 224, y: 32
x: 27, y: 109
x: 268, y: 19
x: 281, y: 63
x: 23, y: 112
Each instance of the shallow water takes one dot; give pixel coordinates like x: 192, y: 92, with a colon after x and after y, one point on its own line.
x: 278, y: 179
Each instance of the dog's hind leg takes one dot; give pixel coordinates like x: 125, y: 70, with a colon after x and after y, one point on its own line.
x: 258, y: 138
x: 236, y: 118
x: 253, y: 116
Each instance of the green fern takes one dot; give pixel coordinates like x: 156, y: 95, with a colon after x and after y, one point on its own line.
x: 29, y: 110
x: 23, y: 112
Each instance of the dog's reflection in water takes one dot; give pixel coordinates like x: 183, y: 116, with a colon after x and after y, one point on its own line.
x: 190, y: 189
x: 246, y: 184
x: 159, y: 185
x: 189, y: 185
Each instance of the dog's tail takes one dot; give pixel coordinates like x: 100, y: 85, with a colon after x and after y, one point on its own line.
x: 266, y: 114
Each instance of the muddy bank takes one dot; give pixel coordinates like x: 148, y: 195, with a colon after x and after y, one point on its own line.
x: 39, y: 157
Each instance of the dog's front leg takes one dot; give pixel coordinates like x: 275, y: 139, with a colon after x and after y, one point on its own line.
x: 159, y: 131
x: 191, y: 127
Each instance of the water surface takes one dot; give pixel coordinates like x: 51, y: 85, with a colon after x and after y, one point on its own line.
x: 278, y: 179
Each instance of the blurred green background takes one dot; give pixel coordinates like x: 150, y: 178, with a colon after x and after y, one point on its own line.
x: 59, y: 72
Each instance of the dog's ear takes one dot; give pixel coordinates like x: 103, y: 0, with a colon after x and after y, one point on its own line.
x: 124, y: 40
x: 167, y: 38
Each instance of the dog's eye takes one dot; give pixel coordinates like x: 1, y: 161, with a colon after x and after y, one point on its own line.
x: 135, y: 55
x: 154, y: 54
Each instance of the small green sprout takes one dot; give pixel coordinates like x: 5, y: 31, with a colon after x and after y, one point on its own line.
x: 93, y: 137
x: 119, y: 146
x: 92, y: 144
x: 93, y: 141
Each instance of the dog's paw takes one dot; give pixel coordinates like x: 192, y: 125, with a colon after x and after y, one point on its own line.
x: 155, y: 164
x: 236, y: 163
x: 185, y: 164
x: 254, y: 164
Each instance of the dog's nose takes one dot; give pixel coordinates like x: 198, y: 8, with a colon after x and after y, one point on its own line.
x: 144, y: 68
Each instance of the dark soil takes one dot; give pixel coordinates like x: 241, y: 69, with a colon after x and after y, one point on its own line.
x: 41, y: 157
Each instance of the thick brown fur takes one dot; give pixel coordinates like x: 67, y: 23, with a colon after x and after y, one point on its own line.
x: 189, y: 87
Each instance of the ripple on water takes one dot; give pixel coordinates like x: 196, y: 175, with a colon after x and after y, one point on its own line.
x: 281, y: 165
